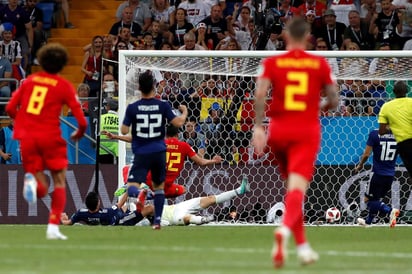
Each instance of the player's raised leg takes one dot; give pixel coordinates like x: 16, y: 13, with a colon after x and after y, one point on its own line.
x: 227, y: 195
x: 30, y: 188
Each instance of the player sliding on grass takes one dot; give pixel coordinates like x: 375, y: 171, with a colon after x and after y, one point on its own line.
x: 384, y: 150
x: 176, y: 153
x: 184, y: 213
x: 297, y: 78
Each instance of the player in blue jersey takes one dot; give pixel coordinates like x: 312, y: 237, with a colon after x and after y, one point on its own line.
x: 384, y: 149
x: 147, y: 118
x: 95, y: 215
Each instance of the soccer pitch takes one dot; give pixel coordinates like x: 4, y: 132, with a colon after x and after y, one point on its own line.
x: 199, y: 249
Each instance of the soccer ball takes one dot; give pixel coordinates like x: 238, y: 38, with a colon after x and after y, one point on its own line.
x: 332, y: 215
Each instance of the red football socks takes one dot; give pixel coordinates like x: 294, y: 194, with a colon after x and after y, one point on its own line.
x: 293, y: 218
x: 57, y: 205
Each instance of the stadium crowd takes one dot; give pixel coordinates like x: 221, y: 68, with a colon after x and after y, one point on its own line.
x: 224, y: 25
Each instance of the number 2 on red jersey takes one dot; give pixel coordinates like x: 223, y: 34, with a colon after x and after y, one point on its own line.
x: 173, y: 160
x: 298, y: 82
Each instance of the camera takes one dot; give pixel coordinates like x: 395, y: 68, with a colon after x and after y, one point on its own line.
x: 270, y: 24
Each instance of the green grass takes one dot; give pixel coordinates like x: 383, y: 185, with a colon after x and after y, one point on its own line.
x: 199, y: 249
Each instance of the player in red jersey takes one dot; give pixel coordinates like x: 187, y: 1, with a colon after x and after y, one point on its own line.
x: 298, y: 79
x: 176, y: 153
x: 36, y: 107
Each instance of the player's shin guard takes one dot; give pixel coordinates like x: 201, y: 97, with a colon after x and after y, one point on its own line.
x: 57, y: 205
x: 159, y: 200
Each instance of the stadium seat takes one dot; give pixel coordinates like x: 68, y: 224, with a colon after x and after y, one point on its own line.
x: 48, y: 11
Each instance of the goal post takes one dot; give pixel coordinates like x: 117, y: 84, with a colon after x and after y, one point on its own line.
x: 225, y: 80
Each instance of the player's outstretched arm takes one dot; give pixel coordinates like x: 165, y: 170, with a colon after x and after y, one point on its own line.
x: 364, y: 158
x: 125, y: 138
x: 204, y: 162
x: 179, y: 121
x: 64, y: 219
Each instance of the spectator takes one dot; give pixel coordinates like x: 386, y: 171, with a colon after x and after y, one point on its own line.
x: 157, y: 34
x: 342, y: 9
x: 287, y: 11
x: 166, y: 46
x: 246, y: 38
x: 317, y: 6
x: 12, y: 51
x: 310, y: 17
x: 332, y: 32
x: 386, y: 25
x: 333, y: 62
x: 208, y: 89
x: 114, y: 66
x: 148, y: 43
x: 163, y: 13
x: 39, y: 36
x: 64, y: 6
x: 241, y: 20
x: 83, y: 91
x: 217, y: 130
x: 405, y: 7
x: 194, y: 137
x: 9, y: 147
x: 126, y: 22
x: 5, y: 72
x: 358, y: 32
x: 20, y: 19
x: 190, y: 42
x: 110, y: 86
x: 368, y: 9
x: 109, y: 122
x: 196, y: 10
x: 408, y: 45
x: 216, y: 27
x: 201, y: 35
x: 210, y: 3
x: 92, y: 66
x: 141, y: 13
x: 179, y: 29
x: 124, y: 35
x: 232, y: 65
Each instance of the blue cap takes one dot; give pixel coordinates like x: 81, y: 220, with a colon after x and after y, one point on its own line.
x: 8, y: 26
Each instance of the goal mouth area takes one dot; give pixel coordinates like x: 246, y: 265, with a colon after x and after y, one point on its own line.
x: 344, y: 130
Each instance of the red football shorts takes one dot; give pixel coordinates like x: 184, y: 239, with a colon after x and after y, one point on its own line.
x: 295, y: 152
x: 39, y: 154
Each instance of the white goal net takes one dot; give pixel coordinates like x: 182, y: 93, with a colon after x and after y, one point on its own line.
x: 225, y: 81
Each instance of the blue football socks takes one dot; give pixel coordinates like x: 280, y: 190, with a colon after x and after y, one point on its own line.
x: 159, y: 199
